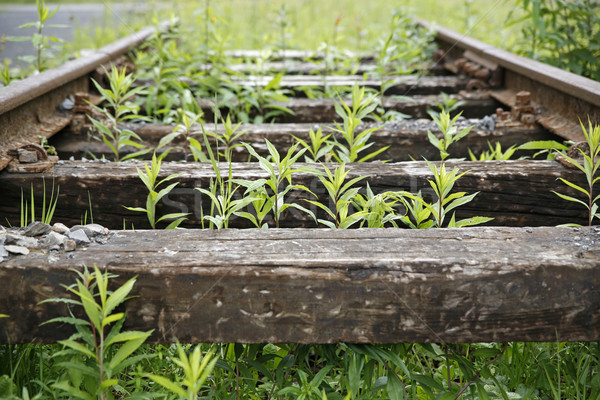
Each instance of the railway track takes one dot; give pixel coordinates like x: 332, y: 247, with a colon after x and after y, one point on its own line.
x: 515, y: 278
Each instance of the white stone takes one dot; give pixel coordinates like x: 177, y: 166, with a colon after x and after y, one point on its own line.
x: 70, y: 245
x: 60, y: 228
x: 17, y: 249
x: 53, y: 239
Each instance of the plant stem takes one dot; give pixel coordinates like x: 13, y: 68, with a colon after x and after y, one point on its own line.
x: 478, y: 373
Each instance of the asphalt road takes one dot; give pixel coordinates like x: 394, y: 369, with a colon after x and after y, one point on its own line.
x: 73, y: 15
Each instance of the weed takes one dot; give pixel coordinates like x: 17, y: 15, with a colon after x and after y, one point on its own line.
x: 116, y: 139
x: 149, y: 179
x: 494, y: 153
x: 265, y: 101
x: 448, y: 104
x: 185, y: 129
x: 560, y: 32
x: 418, y: 214
x: 85, y: 216
x: 230, y: 135
x: 196, y: 370
x: 118, y: 97
x: 319, y: 148
x: 379, y: 208
x: 548, y: 147
x: 341, y: 194
x: 51, y: 150
x: 5, y: 73
x: 94, y: 341
x: 589, y: 168
x: 221, y: 191
x: 398, y: 54
x: 442, y: 185
x: 278, y: 177
x: 352, y: 116
x: 28, y: 209
x: 450, y: 133
x: 41, y: 42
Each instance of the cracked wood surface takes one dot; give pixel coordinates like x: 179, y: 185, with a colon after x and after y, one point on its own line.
x: 407, y: 139
x: 323, y: 110
x: 515, y: 193
x: 323, y: 286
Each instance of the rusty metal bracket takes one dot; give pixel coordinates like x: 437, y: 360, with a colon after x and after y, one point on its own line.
x: 30, y: 158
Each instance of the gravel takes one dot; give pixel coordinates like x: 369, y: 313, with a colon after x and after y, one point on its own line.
x: 42, y: 238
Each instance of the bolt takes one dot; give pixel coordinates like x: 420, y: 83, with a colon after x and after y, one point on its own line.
x: 482, y: 74
x: 528, y: 118
x: 438, y: 55
x: 27, y: 156
x: 523, y: 97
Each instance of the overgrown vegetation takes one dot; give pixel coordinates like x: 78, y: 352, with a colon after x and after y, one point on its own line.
x: 561, y: 32
x: 102, y: 361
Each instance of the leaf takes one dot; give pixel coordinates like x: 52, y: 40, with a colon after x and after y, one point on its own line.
x: 171, y: 386
x: 118, y: 296
x: 126, y: 349
x: 460, y: 201
x: 569, y: 198
x: 126, y: 336
x: 72, y: 392
x: 77, y: 347
x: 112, y: 318
x: 574, y: 186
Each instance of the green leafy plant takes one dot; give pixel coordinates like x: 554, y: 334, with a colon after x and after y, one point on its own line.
x: 96, y: 339
x: 340, y: 194
x: 262, y: 205
x: 5, y: 73
x: 450, y: 133
x: 185, y: 129
x: 196, y: 370
x: 120, y: 109
x: 228, y: 137
x: 560, y: 32
x: 41, y: 42
x: 221, y: 190
x: 278, y: 177
x: 116, y: 139
x: 120, y: 94
x: 494, y: 153
x: 319, y: 148
x: 418, y: 214
x: 548, y: 147
x: 154, y: 195
x: 305, y: 389
x: 264, y: 102
x: 589, y: 168
x: 448, y: 104
x: 352, y: 116
x: 442, y: 184
x: 380, y: 208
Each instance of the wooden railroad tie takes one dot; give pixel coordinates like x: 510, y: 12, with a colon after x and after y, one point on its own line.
x: 324, y: 286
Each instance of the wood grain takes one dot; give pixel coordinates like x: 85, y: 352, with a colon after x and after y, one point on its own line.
x: 515, y: 193
x: 407, y: 139
x: 325, y: 286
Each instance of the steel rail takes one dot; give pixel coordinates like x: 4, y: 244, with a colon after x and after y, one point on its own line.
x: 20, y: 92
x: 28, y: 107
x: 562, y: 98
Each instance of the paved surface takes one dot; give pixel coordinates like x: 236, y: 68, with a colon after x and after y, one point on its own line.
x: 73, y: 15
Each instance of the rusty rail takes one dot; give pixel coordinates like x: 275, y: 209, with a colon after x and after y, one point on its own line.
x: 560, y: 98
x: 28, y: 107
